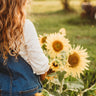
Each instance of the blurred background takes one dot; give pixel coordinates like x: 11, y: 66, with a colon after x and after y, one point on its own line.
x: 78, y: 17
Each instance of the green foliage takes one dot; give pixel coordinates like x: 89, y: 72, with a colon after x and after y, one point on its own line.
x: 89, y: 79
x: 45, y: 93
x: 69, y: 87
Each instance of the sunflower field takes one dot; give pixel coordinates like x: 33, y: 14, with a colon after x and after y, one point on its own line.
x: 69, y: 42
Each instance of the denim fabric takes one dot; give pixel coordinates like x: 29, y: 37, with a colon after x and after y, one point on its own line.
x: 17, y: 78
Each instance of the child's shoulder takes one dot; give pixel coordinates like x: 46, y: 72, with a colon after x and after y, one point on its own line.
x: 29, y: 29
x: 28, y: 23
x: 29, y: 26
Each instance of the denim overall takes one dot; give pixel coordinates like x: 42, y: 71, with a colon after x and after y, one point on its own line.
x: 17, y: 78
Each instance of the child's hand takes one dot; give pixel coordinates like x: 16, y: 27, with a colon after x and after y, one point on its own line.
x: 39, y: 94
x: 42, y: 77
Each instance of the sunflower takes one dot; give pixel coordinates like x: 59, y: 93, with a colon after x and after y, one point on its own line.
x: 77, y: 62
x: 54, y: 66
x: 50, y: 71
x: 62, y: 31
x: 42, y: 39
x: 55, y: 43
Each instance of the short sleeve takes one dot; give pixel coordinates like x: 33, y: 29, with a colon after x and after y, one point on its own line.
x: 36, y: 58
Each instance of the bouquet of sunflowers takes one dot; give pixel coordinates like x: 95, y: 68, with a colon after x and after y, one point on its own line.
x: 66, y: 65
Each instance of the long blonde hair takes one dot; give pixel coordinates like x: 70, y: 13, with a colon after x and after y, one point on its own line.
x: 12, y: 20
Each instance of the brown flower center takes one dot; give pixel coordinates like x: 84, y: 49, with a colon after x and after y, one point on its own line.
x: 74, y: 59
x: 55, y: 64
x: 43, y: 40
x: 57, y: 46
x: 50, y: 71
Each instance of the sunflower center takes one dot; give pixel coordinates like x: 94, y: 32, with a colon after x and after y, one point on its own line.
x: 55, y: 65
x: 57, y: 46
x: 44, y: 39
x: 50, y: 71
x: 74, y: 60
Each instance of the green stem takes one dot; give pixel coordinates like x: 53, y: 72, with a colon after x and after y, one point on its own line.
x: 61, y: 86
x: 89, y: 88
x: 49, y: 85
x: 49, y: 82
x: 82, y: 92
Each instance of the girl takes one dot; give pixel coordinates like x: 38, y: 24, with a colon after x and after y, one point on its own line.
x: 22, y: 60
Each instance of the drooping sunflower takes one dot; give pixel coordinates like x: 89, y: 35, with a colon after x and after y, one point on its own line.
x: 54, y: 66
x: 42, y: 39
x: 55, y: 43
x: 77, y: 62
x: 62, y: 31
x: 50, y: 71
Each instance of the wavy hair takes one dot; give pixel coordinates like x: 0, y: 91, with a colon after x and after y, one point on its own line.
x: 12, y: 20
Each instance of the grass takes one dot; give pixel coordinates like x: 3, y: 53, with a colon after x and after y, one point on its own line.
x: 49, y: 17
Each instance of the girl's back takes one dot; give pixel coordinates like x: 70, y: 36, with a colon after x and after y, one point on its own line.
x: 18, y: 39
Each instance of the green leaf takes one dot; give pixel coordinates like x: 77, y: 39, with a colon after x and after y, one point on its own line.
x: 52, y: 74
x: 45, y: 92
x: 55, y: 94
x: 80, y: 81
x: 55, y: 81
x: 74, y: 86
x: 60, y: 76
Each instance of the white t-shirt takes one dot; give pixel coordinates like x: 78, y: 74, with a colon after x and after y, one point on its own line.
x: 31, y: 51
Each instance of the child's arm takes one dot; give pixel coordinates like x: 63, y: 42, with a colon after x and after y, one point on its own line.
x: 36, y: 58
